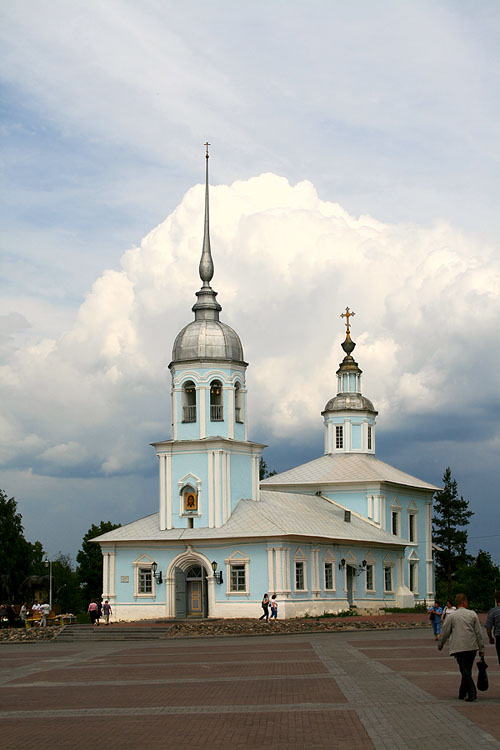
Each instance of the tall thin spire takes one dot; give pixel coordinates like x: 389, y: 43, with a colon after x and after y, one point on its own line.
x: 206, y: 262
x: 207, y: 306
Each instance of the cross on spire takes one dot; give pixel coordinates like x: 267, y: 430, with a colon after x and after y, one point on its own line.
x: 348, y: 314
x: 207, y: 144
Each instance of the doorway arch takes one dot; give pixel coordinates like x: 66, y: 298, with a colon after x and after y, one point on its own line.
x: 190, y: 586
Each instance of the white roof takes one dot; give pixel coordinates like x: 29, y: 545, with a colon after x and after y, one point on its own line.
x: 277, y: 514
x: 345, y: 468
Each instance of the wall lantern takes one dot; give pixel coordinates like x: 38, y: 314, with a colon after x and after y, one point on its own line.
x: 342, y: 564
x: 157, y: 577
x: 217, y: 576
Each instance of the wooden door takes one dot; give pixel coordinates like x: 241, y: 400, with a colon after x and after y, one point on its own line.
x: 180, y: 593
x: 195, y: 598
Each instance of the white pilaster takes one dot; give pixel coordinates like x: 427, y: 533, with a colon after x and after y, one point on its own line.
x: 105, y: 575
x: 163, y: 491
x: 230, y: 412
x: 112, y: 575
x: 168, y: 481
x: 217, y: 488
x: 279, y: 569
x: 270, y: 569
x: 203, y: 412
x: 211, y: 509
x: 175, y: 398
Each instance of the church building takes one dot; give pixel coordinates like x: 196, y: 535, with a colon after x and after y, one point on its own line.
x: 342, y: 530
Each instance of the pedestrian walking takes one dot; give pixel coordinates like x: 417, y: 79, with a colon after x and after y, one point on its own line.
x: 274, y: 608
x: 435, y: 618
x: 265, y: 607
x: 45, y: 612
x: 493, y: 624
x: 92, y: 610
x: 447, y: 611
x: 463, y: 631
x: 107, y: 611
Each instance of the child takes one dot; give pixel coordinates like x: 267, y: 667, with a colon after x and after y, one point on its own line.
x: 274, y: 607
x: 107, y: 611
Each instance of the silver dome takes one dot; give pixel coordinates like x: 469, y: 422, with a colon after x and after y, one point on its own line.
x: 207, y: 339
x: 353, y: 401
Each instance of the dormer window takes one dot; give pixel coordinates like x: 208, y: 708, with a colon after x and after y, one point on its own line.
x: 238, y: 403
x: 189, y: 402
x: 216, y: 403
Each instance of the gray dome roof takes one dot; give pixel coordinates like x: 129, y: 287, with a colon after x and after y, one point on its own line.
x: 353, y: 401
x: 207, y: 339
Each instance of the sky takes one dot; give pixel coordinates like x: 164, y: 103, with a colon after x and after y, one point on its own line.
x: 354, y: 161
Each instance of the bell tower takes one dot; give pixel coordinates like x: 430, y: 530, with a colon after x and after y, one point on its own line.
x: 209, y: 464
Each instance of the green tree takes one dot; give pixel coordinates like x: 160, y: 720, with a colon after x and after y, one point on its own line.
x: 451, y: 516
x: 264, y: 471
x: 15, y: 552
x: 89, y: 560
x: 66, y: 591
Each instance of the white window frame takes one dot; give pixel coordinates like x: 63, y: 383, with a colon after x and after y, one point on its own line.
x: 413, y: 563
x: 237, y: 558
x: 330, y: 566
x: 370, y: 567
x: 396, y: 514
x: 300, y: 557
x: 339, y: 437
x: 388, y: 564
x: 144, y: 562
x: 413, y: 514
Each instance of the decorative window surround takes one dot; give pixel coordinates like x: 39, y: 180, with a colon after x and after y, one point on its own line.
x: 413, y: 562
x: 388, y: 565
x: 300, y: 570
x: 237, y: 566
x: 190, y: 480
x: 144, y: 562
x: 395, y: 517
x: 413, y: 523
x: 370, y: 573
x: 329, y: 559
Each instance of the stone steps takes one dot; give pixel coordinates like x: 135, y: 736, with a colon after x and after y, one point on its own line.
x: 111, y: 633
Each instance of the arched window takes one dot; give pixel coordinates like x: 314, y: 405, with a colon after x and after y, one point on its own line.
x: 216, y: 407
x: 189, y: 402
x: 238, y: 403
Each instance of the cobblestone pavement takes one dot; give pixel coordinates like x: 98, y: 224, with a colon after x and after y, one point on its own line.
x: 389, y: 689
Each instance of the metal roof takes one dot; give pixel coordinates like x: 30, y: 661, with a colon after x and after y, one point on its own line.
x: 277, y: 514
x: 345, y: 468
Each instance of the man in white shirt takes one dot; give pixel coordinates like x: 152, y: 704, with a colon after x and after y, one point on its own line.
x: 45, y: 612
x: 466, y: 637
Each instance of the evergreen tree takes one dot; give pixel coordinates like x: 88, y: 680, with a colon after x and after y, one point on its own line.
x: 451, y: 516
x: 89, y: 560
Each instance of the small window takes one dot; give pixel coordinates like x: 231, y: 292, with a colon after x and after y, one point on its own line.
x: 388, y: 578
x: 369, y: 437
x: 145, y: 581
x: 237, y: 578
x: 412, y: 527
x: 329, y: 576
x: 299, y: 576
x: 413, y: 577
x: 370, y: 577
x: 339, y: 436
x: 395, y: 522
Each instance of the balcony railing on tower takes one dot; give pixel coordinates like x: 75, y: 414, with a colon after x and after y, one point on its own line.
x: 189, y: 413
x: 216, y: 413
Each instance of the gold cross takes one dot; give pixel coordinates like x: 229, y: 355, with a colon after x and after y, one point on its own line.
x: 348, y: 314
x: 207, y: 144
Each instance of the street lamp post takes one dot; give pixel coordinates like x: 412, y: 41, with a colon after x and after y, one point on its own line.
x: 48, y: 564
